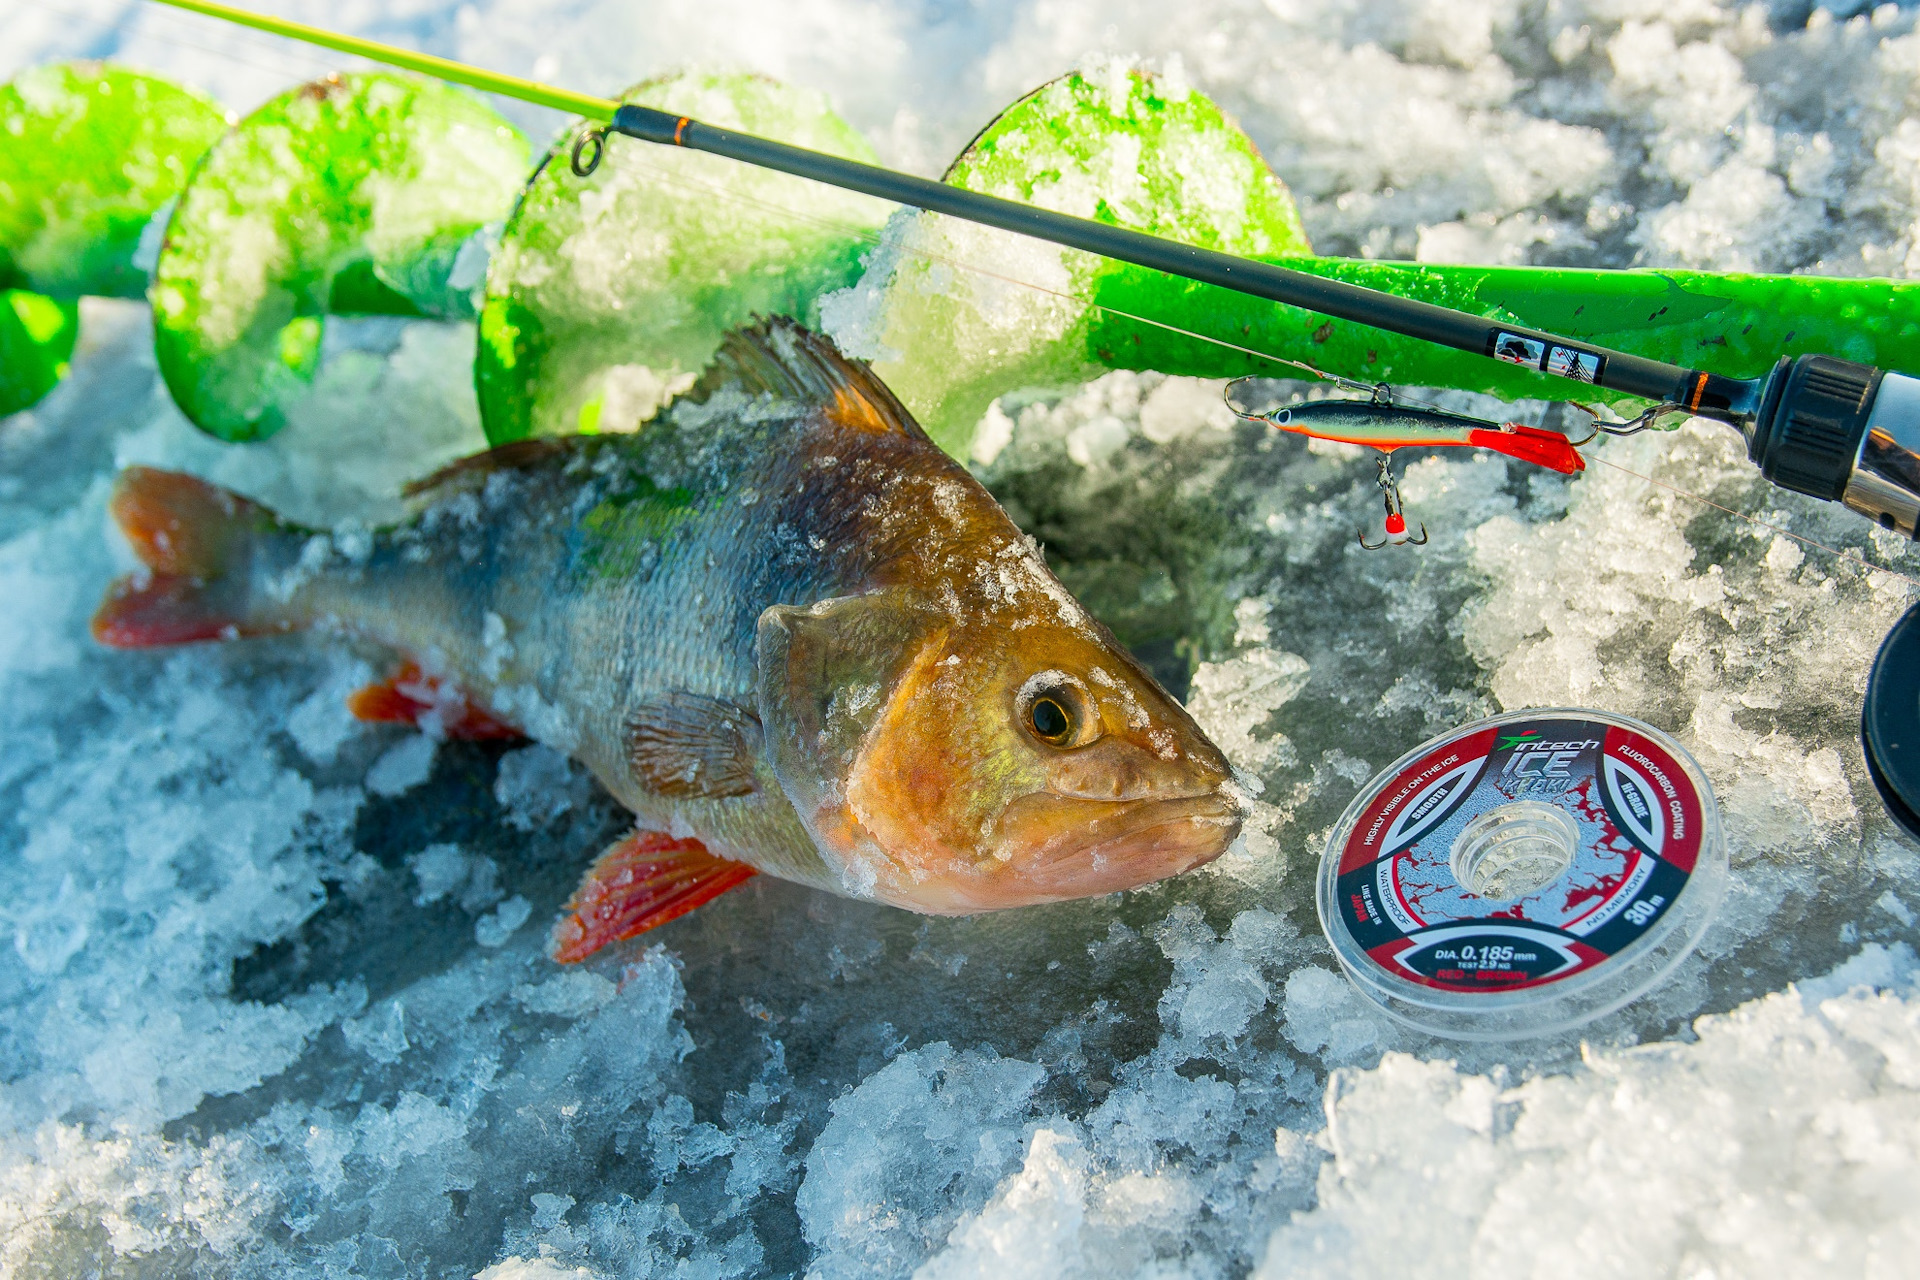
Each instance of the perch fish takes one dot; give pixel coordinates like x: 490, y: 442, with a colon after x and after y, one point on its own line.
x: 777, y: 623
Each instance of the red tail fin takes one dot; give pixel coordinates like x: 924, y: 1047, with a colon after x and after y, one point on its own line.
x: 192, y: 537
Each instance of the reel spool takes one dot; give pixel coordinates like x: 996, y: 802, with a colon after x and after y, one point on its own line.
x: 1523, y: 874
x: 1890, y: 722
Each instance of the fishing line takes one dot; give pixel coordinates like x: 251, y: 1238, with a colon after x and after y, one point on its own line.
x: 1630, y: 426
x: 1755, y: 520
x: 122, y: 38
x: 877, y: 240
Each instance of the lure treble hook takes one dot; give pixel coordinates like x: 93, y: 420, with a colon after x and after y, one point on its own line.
x: 1396, y: 523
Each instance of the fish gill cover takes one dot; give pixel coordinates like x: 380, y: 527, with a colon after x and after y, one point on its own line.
x: 277, y: 1000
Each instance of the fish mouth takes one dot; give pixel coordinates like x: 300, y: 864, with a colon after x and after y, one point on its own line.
x: 1155, y: 840
x: 1053, y: 849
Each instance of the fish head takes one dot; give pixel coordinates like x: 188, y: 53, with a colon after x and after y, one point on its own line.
x: 950, y: 761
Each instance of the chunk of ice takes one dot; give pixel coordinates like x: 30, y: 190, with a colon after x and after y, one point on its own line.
x: 402, y: 766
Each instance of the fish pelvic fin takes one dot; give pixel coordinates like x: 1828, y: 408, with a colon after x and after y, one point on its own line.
x: 781, y: 358
x: 195, y: 542
x: 639, y: 884
x: 411, y: 697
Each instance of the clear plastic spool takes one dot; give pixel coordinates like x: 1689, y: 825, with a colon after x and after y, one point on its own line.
x: 1523, y: 874
x: 1514, y: 850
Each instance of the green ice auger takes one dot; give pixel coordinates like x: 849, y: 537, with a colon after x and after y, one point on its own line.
x: 1816, y: 424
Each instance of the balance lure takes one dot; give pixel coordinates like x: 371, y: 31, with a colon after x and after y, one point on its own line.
x: 1385, y: 426
x: 1388, y: 426
x: 778, y: 624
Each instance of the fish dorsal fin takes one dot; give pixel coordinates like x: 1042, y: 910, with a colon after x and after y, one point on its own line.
x: 781, y: 358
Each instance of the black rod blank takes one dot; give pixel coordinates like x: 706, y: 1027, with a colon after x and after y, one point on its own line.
x: 1711, y: 395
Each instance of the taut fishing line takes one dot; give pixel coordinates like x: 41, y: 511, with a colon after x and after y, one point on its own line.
x: 317, y: 66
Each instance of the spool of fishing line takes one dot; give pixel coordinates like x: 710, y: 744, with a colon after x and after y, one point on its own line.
x: 1890, y: 722
x: 1523, y: 874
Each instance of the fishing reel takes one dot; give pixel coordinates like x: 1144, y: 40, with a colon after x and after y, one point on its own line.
x: 1850, y: 433
x: 1843, y: 432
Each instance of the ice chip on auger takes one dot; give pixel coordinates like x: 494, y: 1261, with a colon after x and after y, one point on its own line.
x: 777, y: 620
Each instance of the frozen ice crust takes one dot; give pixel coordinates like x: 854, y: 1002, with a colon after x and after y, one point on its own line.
x: 264, y: 1018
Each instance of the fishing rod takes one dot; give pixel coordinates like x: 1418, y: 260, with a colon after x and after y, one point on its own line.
x: 1830, y: 428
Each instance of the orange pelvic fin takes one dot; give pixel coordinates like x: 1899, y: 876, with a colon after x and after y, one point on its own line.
x: 195, y: 540
x: 644, y: 881
x: 423, y: 701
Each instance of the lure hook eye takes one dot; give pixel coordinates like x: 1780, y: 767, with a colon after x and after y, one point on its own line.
x: 584, y: 162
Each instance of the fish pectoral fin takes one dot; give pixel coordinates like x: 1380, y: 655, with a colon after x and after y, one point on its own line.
x: 687, y: 744
x: 411, y: 697
x: 640, y: 883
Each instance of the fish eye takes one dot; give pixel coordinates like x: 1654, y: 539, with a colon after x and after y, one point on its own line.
x: 1050, y: 720
x: 1055, y: 709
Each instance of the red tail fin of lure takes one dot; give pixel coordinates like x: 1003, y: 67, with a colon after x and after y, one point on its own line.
x: 192, y: 537
x: 642, y: 882
x: 1530, y: 444
x: 411, y: 697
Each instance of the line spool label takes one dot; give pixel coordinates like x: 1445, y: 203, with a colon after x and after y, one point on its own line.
x: 1516, y: 856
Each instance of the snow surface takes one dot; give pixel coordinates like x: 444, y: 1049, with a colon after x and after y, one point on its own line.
x: 276, y: 1001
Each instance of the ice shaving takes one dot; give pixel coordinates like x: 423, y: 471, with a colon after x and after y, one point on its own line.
x: 285, y: 994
